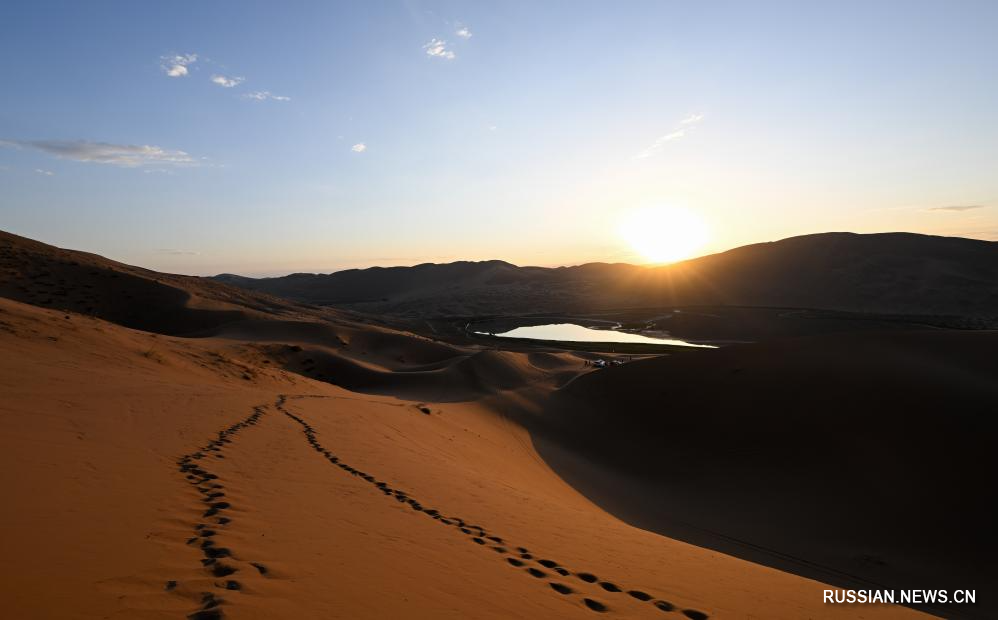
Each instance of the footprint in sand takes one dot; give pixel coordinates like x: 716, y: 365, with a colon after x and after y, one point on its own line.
x: 561, y: 588
x: 478, y: 535
x: 202, y: 481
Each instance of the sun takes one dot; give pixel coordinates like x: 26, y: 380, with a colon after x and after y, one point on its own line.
x: 664, y: 234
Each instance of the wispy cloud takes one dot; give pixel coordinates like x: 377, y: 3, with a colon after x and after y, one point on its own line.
x: 176, y: 65
x: 957, y: 208
x: 438, y: 49
x: 463, y: 32
x: 263, y: 95
x: 683, y: 128
x: 173, y: 252
x: 125, y: 155
x: 47, y: 173
x: 227, y: 82
x: 360, y: 147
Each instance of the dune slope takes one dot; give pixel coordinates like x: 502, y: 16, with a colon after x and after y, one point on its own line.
x: 157, y: 477
x: 50, y: 277
x: 855, y: 459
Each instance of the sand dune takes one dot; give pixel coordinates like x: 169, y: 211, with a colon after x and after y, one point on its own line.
x: 851, y: 458
x: 91, y: 285
x: 132, y: 436
x: 160, y: 476
x: 466, y: 377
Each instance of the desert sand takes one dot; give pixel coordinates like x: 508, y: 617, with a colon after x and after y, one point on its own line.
x: 185, y: 449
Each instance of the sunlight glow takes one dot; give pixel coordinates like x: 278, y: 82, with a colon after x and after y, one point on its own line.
x: 664, y: 234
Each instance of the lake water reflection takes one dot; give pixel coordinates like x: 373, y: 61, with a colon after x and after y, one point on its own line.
x: 571, y: 332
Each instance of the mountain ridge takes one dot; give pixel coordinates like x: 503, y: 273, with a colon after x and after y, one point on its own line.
x: 905, y: 273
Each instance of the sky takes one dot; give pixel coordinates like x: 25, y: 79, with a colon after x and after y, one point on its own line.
x: 264, y: 138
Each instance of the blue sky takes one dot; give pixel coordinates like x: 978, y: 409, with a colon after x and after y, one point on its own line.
x: 526, y: 131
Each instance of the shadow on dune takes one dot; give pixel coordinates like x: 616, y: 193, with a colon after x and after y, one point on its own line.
x: 400, y: 365
x: 70, y: 281
x: 856, y: 460
x: 467, y: 378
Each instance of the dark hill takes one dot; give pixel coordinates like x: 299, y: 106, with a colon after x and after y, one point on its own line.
x: 899, y: 273
x: 43, y: 275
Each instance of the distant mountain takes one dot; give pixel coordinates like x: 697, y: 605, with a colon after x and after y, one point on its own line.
x: 376, y: 283
x: 900, y: 273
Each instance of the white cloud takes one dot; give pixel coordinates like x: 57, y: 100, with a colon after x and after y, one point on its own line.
x: 684, y: 127
x: 438, y: 49
x: 125, y: 155
x: 360, y: 147
x: 47, y: 173
x: 463, y: 32
x: 263, y: 95
x: 227, y: 82
x: 176, y: 66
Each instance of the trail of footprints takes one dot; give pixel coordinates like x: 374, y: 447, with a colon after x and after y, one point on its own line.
x: 519, y: 557
x: 195, y: 466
